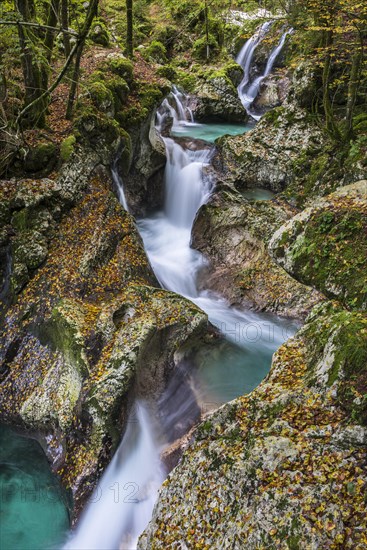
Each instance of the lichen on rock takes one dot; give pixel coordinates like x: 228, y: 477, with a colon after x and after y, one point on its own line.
x: 281, y: 467
x: 325, y: 245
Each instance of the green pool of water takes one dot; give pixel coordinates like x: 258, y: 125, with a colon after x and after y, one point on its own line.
x: 257, y: 194
x: 225, y: 370
x: 33, y: 512
x: 209, y: 132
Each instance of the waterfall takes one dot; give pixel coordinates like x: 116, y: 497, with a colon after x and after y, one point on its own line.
x: 246, y: 54
x: 122, y: 503
x: 119, y: 186
x: 247, y: 90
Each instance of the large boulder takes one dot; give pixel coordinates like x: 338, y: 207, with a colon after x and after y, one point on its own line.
x: 265, y: 156
x: 143, y: 182
x: 326, y: 245
x: 283, y: 467
x: 273, y: 92
x: 216, y: 96
x: 233, y: 234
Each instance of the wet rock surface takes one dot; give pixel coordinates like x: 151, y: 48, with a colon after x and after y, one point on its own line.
x: 88, y: 325
x: 233, y: 234
x: 283, y: 465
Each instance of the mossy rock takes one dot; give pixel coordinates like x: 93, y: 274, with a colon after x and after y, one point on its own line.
x: 102, y: 98
x: 167, y: 71
x: 326, y: 245
x: 90, y: 124
x: 337, y: 339
x: 41, y: 158
x: 132, y: 116
x: 199, y: 49
x: 121, y: 66
x: 67, y: 148
x: 156, y: 52
x: 120, y: 90
x: 185, y: 80
x: 99, y: 33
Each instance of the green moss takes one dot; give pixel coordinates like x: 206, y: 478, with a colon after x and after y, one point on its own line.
x: 332, y: 252
x: 67, y: 147
x: 99, y: 33
x: 101, y: 96
x: 121, y: 67
x: 97, y: 76
x: 156, y: 51
x: 92, y: 125
x: 131, y: 116
x: 185, y: 80
x: 167, y: 71
x: 150, y: 96
x: 199, y: 49
x: 347, y: 331
x: 20, y: 219
x: 120, y: 90
x: 64, y: 333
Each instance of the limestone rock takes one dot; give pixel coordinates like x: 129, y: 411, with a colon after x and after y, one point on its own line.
x: 89, y: 326
x: 216, y: 96
x: 233, y: 234
x: 264, y: 156
x: 283, y: 466
x: 326, y: 246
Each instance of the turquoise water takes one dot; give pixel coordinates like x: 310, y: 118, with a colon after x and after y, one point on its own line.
x: 209, y: 132
x: 33, y: 512
x: 257, y: 194
x: 228, y: 369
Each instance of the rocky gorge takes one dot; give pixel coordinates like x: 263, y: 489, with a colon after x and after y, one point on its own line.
x: 87, y: 329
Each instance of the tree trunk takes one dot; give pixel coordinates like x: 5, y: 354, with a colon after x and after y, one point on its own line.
x: 52, y: 19
x: 91, y: 14
x: 354, y: 82
x: 74, y: 82
x: 207, y: 31
x: 65, y: 25
x: 129, y: 27
x: 31, y: 71
x: 331, y: 127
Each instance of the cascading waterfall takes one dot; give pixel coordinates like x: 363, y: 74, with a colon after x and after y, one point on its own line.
x: 122, y: 503
x: 246, y: 54
x: 247, y: 90
x: 119, y: 186
x: 109, y: 524
x: 167, y: 235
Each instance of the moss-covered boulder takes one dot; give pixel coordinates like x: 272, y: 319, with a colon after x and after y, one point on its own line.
x: 326, y: 245
x: 102, y: 98
x: 216, y: 95
x: 156, y: 52
x: 283, y: 467
x: 264, y: 156
x: 204, y: 49
x: 99, y: 33
x: 121, y: 66
x: 41, y: 158
x: 233, y: 234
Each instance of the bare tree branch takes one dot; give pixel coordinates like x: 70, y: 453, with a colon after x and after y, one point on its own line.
x: 39, y: 26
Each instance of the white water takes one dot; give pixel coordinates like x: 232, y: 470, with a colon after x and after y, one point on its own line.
x: 135, y: 472
x: 119, y: 187
x: 167, y: 237
x: 121, y: 505
x: 248, y: 91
